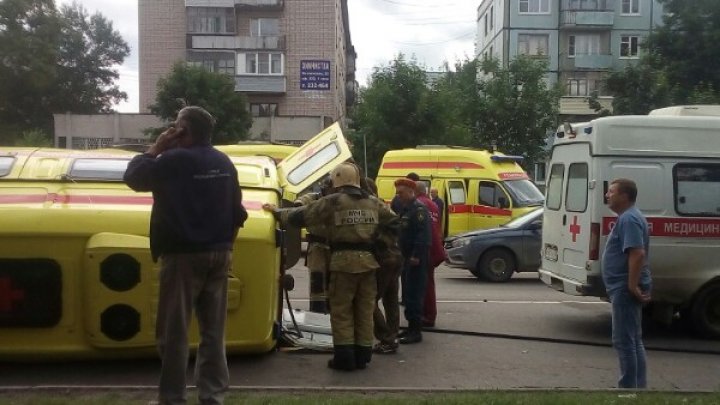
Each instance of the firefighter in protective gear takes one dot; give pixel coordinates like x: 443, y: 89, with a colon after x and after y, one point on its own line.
x: 352, y: 218
x: 317, y: 258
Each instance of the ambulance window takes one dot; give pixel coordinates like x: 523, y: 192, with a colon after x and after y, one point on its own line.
x: 6, y: 164
x: 457, y: 192
x: 697, y: 187
x: 554, y: 187
x: 98, y: 169
x: 490, y: 194
x: 577, y: 188
x: 315, y: 163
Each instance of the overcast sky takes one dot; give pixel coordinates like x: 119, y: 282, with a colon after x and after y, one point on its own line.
x: 428, y: 29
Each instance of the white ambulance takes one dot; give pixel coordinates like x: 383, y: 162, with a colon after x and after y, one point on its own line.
x: 673, y: 155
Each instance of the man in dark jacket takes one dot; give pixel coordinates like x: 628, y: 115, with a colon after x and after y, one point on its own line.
x: 415, y: 232
x: 196, y: 213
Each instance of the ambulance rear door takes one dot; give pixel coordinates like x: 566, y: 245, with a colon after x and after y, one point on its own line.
x: 458, y: 209
x: 313, y: 160
x: 567, y: 217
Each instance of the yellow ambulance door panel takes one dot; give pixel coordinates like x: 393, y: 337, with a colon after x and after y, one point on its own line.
x: 313, y: 160
x: 491, y: 206
x: 457, y: 206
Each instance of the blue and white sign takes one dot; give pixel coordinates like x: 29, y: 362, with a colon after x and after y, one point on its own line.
x: 314, y: 75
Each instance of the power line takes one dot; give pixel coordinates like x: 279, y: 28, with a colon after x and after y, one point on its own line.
x: 466, y: 35
x: 399, y: 3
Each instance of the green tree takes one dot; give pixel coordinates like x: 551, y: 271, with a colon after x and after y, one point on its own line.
x: 394, y: 111
x: 89, y: 50
x: 54, y: 62
x: 34, y: 137
x: 28, y: 39
x: 186, y: 85
x: 515, y: 109
x: 678, y: 62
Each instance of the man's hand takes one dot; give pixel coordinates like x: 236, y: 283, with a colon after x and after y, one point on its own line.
x: 269, y: 207
x: 414, y: 261
x: 639, y: 295
x: 166, y: 140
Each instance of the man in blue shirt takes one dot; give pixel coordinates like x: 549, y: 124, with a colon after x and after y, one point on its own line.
x: 627, y: 281
x: 197, y: 210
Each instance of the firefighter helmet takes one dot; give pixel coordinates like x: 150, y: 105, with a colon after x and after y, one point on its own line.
x: 345, y: 174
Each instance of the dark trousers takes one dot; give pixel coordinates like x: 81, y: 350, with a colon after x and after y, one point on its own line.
x: 430, y: 303
x: 414, y: 282
x: 387, y: 324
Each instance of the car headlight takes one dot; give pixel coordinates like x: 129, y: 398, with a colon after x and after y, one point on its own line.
x: 461, y: 242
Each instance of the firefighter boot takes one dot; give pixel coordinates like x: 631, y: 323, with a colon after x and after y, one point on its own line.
x: 363, y: 355
x: 414, y: 333
x: 343, y: 358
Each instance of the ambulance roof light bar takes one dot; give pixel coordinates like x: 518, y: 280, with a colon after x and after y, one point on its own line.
x: 506, y: 158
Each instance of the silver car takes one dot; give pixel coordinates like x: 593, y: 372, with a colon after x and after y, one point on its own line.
x: 495, y: 254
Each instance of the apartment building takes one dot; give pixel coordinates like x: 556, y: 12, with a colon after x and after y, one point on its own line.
x: 293, y: 59
x: 581, y: 40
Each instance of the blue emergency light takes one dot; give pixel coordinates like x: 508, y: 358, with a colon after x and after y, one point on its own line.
x: 506, y: 159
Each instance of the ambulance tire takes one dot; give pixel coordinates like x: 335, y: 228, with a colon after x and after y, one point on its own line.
x: 705, y: 311
x: 496, y: 265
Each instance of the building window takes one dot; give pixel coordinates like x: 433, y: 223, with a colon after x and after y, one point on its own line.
x: 211, y: 20
x: 491, y: 52
x: 264, y: 27
x: 534, y: 6
x: 532, y: 45
x: 486, y: 24
x: 262, y: 63
x: 264, y: 109
x: 492, y: 17
x: 583, y: 45
x: 631, y: 7
x: 220, y: 62
x: 629, y: 46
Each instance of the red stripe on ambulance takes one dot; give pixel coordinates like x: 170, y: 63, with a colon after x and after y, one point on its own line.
x: 674, y: 227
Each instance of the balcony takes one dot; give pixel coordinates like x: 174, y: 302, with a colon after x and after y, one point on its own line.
x: 237, y: 42
x: 578, y: 105
x: 261, y: 84
x: 592, y: 62
x: 587, y: 19
x: 260, y: 4
x: 587, y: 14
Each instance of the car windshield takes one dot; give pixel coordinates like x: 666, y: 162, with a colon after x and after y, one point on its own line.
x: 524, y: 219
x: 524, y: 193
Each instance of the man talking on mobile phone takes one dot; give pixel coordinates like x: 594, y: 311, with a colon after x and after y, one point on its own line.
x: 197, y: 210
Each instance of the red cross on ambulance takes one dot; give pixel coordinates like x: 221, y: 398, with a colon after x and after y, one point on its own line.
x: 575, y: 228
x: 8, y: 295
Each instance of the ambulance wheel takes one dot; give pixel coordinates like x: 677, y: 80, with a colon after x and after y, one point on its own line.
x: 705, y: 311
x: 496, y: 265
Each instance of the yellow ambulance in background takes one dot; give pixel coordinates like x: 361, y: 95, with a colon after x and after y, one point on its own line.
x: 480, y: 189
x: 76, y: 276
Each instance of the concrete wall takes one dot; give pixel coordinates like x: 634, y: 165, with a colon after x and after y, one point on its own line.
x: 102, y: 130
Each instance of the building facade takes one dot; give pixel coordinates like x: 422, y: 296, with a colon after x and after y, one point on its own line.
x: 293, y: 59
x: 581, y: 40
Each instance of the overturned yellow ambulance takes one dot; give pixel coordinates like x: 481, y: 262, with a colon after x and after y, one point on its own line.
x: 76, y: 276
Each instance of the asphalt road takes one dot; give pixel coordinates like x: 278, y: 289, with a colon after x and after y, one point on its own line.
x: 493, y: 336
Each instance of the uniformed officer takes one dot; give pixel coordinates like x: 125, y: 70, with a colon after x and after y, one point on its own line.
x: 351, y: 217
x: 415, y: 240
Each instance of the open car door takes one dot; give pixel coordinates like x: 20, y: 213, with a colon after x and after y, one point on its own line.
x: 314, y: 159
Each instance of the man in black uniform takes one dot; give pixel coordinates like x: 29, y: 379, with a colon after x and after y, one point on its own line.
x: 415, y: 240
